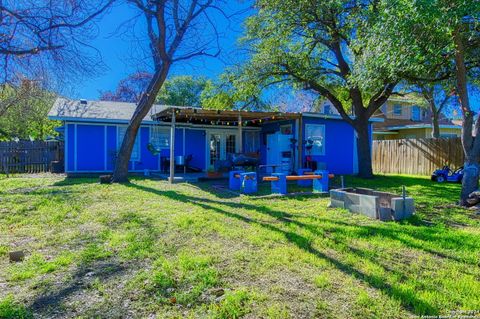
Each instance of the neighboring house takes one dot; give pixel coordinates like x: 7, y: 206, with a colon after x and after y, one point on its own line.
x: 94, y: 131
x: 403, y: 118
x: 326, y: 107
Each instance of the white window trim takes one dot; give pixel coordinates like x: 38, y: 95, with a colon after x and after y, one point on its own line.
x: 253, y: 138
x: 323, y: 151
x: 395, y: 107
x: 136, y: 145
x: 165, y: 131
x: 223, y: 133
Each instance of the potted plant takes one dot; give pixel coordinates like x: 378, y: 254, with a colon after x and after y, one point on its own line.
x: 212, y: 172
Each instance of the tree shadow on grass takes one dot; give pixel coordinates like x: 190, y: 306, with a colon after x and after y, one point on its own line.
x: 45, y: 304
x: 70, y: 181
x: 92, y: 266
x: 408, y: 300
x: 221, y: 190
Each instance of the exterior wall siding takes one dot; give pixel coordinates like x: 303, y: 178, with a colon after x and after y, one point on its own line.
x: 92, y: 147
x: 406, y: 110
x: 70, y: 147
x: 340, y: 146
x: 178, y: 142
x: 147, y: 159
x: 111, y: 146
x: 194, y: 145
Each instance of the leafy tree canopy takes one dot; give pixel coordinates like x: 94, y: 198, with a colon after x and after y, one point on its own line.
x: 319, y: 45
x: 231, y: 93
x: 182, y: 91
x: 26, y: 118
x: 415, y: 37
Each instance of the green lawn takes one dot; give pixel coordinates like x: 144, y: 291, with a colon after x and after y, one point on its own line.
x: 188, y: 250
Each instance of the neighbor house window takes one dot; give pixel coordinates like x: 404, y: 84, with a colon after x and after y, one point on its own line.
x: 286, y: 129
x: 315, y: 135
x: 326, y: 109
x: 136, y: 147
x: 416, y: 113
x: 397, y: 109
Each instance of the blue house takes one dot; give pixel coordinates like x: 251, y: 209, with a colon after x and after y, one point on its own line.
x: 93, y: 132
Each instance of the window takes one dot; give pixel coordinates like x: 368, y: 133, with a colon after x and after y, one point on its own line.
x: 415, y: 113
x: 326, y: 109
x: 136, y: 147
x: 286, y: 129
x: 160, y: 137
x: 315, y: 136
x: 215, y: 148
x: 230, y: 143
x: 397, y: 109
x: 252, y: 142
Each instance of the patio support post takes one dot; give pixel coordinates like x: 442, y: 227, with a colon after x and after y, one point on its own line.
x: 300, y: 141
x: 240, y: 134
x: 172, y: 148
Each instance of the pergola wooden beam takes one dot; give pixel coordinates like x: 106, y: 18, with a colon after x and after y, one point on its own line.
x: 190, y: 114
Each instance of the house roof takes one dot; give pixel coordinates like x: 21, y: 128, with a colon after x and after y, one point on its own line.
x: 389, y: 125
x: 120, y: 112
x: 95, y: 111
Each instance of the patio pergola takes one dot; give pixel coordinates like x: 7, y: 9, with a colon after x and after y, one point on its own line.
x: 234, y: 118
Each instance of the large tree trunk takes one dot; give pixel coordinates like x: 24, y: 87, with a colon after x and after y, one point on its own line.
x: 470, y: 180
x: 435, y: 125
x: 364, y: 150
x: 470, y: 143
x: 120, y: 174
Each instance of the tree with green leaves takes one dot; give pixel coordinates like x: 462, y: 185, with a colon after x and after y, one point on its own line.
x: 26, y: 117
x: 183, y: 90
x: 323, y: 47
x: 231, y: 92
x: 434, y: 41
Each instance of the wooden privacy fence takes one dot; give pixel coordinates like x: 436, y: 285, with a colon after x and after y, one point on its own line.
x: 416, y: 156
x: 28, y: 156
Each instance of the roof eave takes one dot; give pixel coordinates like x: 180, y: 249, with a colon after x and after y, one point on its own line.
x: 337, y: 117
x: 94, y: 120
x: 411, y: 127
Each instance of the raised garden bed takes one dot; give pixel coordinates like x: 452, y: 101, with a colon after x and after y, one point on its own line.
x: 371, y: 203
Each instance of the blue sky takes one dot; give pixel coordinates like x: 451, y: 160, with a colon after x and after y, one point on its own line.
x: 117, y: 50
